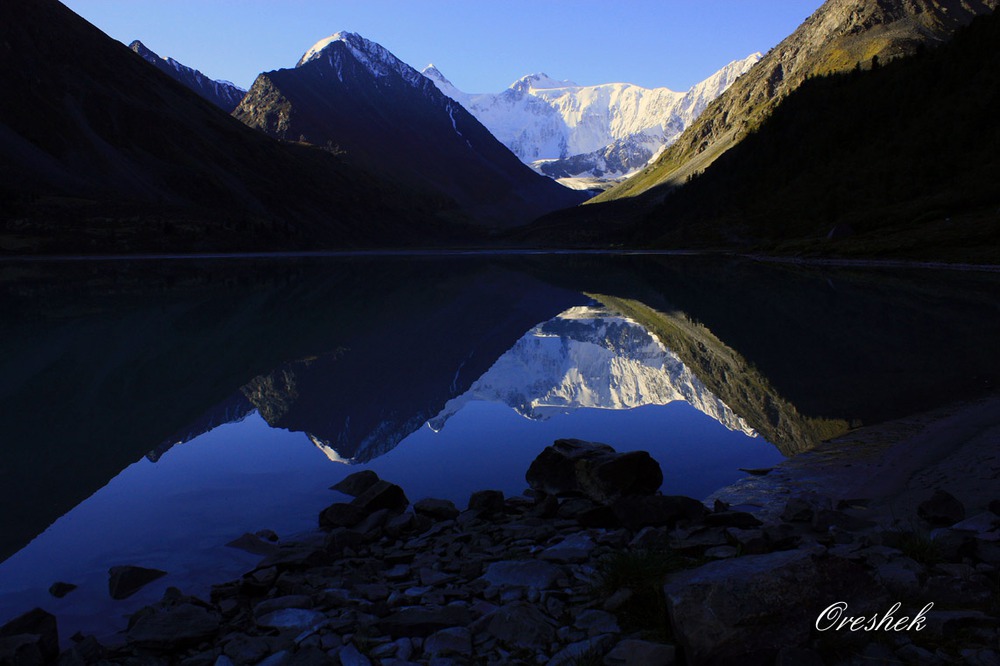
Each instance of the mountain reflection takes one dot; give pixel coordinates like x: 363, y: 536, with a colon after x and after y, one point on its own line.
x: 589, y: 357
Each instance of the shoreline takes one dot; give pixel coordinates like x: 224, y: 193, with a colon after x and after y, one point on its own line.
x: 621, y: 575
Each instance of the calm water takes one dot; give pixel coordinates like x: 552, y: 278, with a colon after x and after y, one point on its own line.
x: 153, y: 411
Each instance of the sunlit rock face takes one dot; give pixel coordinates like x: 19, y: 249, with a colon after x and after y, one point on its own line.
x: 587, y: 357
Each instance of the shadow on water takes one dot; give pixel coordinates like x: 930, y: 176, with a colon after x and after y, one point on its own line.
x: 105, y: 362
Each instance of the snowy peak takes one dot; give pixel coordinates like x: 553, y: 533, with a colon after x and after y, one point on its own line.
x: 435, y: 75
x: 602, y: 132
x: 540, y: 81
x: 375, y: 57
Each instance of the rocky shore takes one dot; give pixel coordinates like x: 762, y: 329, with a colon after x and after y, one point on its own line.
x: 591, y: 566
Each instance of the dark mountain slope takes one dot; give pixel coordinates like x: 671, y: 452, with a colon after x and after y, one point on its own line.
x: 901, y: 160
x: 835, y: 38
x: 351, y: 94
x: 223, y: 94
x: 101, y: 152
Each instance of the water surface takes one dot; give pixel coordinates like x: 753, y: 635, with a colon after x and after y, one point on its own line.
x: 155, y: 410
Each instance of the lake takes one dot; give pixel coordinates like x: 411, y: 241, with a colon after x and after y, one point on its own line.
x: 153, y: 411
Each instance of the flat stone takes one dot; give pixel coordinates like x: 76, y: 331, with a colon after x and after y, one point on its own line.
x: 574, y: 653
x: 278, y: 603
x: 253, y: 544
x: 987, y: 521
x: 452, y: 641
x: 124, y: 581
x: 357, y: 483
x: 172, y: 627
x: 632, y: 652
x: 522, y: 573
x: 291, y: 618
x: 574, y: 548
x: 596, y: 622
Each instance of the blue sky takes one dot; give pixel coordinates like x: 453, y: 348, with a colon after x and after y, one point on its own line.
x: 481, y: 46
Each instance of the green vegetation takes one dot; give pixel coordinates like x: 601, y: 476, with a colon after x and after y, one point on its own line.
x: 900, y: 159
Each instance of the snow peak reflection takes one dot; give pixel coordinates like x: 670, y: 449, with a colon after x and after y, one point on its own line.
x: 834, y: 618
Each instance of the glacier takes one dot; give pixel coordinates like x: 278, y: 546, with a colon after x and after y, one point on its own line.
x: 596, y: 133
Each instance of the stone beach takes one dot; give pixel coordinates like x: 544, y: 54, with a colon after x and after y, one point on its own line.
x: 590, y: 566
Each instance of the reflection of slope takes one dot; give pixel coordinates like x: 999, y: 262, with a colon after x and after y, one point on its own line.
x: 732, y: 377
x: 587, y: 357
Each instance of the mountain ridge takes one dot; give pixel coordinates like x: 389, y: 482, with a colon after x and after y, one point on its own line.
x: 352, y: 95
x: 604, y: 131
x: 224, y: 94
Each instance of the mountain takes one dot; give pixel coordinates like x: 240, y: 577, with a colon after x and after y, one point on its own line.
x: 909, y: 165
x: 352, y: 95
x: 836, y: 38
x: 223, y: 94
x: 602, y: 132
x: 100, y: 152
x: 589, y: 357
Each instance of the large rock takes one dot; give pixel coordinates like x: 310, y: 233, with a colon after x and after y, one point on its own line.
x: 745, y: 609
x: 382, y: 495
x: 168, y: 628
x: 29, y: 636
x: 597, y: 471
x: 436, y: 509
x: 638, y: 511
x: 357, y: 483
x: 124, y: 581
x: 942, y: 509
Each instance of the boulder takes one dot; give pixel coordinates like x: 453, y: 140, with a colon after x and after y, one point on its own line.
x: 382, y: 495
x: 357, y: 483
x: 124, y: 581
x: 341, y: 514
x: 942, y: 509
x: 748, y: 608
x: 60, y: 589
x: 487, y: 502
x: 453, y: 641
x: 595, y: 471
x: 436, y: 509
x: 32, y: 633
x: 169, y: 628
x: 640, y: 511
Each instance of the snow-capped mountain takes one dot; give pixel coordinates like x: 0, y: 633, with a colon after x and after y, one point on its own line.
x: 352, y: 95
x: 606, y: 131
x: 587, y: 357
x: 223, y: 94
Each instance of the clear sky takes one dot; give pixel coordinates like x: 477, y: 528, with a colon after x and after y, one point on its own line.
x: 481, y: 45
